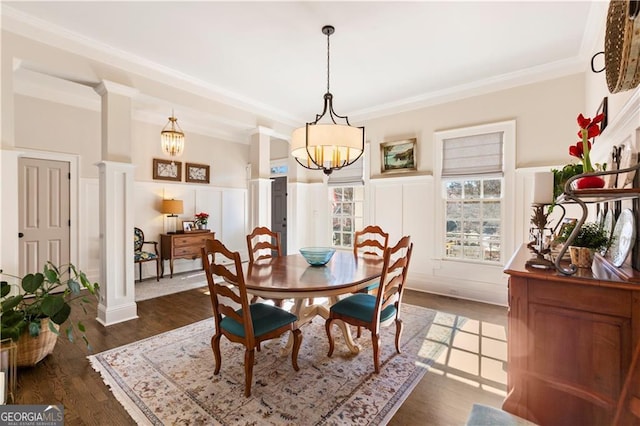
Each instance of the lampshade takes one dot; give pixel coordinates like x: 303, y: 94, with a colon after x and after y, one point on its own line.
x: 172, y: 138
x: 327, y: 146
x: 172, y: 207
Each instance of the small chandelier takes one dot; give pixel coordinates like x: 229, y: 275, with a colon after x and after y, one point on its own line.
x: 329, y: 146
x: 172, y: 138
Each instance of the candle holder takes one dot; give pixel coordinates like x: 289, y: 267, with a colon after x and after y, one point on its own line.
x: 541, y: 234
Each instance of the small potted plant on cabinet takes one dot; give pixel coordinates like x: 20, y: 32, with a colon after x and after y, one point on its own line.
x: 32, y: 317
x: 591, y: 237
x: 201, y: 220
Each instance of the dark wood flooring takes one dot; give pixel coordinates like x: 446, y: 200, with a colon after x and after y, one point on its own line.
x: 65, y: 377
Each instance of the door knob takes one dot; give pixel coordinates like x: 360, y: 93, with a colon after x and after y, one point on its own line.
x: 20, y: 235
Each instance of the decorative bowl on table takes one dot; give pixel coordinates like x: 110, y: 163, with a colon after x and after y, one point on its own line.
x: 317, y: 256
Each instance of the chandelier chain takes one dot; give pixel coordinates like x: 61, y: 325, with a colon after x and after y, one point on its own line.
x: 328, y: 59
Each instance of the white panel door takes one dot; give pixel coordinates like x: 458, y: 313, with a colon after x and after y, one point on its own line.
x: 44, y: 213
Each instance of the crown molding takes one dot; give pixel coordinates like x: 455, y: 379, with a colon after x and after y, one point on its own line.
x: 106, y: 86
x: 42, y: 31
x: 481, y: 87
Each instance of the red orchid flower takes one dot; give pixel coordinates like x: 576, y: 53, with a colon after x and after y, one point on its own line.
x: 588, y: 129
x: 577, y: 150
x: 592, y: 126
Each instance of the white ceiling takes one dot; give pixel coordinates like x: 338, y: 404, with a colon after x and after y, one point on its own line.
x: 385, y: 56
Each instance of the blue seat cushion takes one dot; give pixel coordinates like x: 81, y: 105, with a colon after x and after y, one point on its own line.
x: 370, y: 287
x: 483, y: 415
x: 265, y: 318
x: 141, y: 256
x: 361, y: 306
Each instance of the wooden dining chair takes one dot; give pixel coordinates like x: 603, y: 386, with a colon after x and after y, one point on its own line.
x: 263, y: 243
x: 372, y: 312
x: 237, y: 319
x: 140, y: 256
x: 370, y: 240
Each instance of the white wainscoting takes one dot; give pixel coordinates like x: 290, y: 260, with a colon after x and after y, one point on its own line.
x: 227, y: 208
x: 406, y: 206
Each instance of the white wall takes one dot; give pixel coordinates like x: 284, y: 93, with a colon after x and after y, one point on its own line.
x: 47, y: 129
x: 544, y: 112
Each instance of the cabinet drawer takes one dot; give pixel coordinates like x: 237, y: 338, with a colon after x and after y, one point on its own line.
x: 192, y: 240
x: 188, y: 251
x: 183, y: 241
x: 594, y: 299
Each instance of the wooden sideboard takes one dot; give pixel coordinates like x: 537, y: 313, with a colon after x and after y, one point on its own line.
x: 570, y: 341
x: 183, y: 246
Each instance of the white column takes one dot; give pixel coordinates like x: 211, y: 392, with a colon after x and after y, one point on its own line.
x: 259, y: 184
x: 116, y: 173
x: 117, y: 294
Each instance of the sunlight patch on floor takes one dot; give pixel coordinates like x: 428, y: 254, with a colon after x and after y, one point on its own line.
x: 475, y: 352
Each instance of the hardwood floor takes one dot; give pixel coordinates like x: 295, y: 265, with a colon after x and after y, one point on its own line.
x: 443, y: 397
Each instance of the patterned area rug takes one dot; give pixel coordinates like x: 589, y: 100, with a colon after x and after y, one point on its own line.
x: 168, y: 378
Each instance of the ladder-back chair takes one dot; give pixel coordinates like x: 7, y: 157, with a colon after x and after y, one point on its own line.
x: 237, y: 319
x: 372, y: 312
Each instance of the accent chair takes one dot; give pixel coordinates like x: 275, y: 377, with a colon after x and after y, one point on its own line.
x: 140, y: 256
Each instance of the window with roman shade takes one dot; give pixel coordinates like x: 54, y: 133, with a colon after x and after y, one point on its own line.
x: 352, y: 175
x: 475, y: 155
x: 472, y: 177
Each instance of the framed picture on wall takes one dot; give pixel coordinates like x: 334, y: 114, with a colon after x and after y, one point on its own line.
x: 398, y: 156
x: 167, y: 170
x: 197, y: 173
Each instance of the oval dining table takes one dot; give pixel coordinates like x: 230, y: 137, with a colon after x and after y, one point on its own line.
x: 291, y: 277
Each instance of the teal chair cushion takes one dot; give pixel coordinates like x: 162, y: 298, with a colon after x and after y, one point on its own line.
x: 361, y: 306
x: 370, y: 287
x: 141, y: 256
x: 265, y: 318
x: 483, y: 415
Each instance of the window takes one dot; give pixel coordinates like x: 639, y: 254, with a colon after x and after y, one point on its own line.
x: 347, y: 206
x: 474, y: 175
x: 473, y: 218
x: 279, y: 167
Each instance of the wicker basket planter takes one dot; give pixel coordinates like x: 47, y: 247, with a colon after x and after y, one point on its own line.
x: 32, y: 350
x: 582, y: 257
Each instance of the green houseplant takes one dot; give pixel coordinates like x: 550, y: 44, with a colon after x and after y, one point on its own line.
x: 591, y: 237
x: 44, y: 303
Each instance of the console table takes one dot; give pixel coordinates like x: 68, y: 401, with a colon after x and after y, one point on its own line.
x: 570, y: 341
x: 183, y: 246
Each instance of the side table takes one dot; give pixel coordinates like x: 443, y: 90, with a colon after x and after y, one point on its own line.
x: 186, y: 245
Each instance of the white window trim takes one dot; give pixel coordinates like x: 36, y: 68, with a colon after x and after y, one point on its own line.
x: 508, y: 128
x: 278, y: 163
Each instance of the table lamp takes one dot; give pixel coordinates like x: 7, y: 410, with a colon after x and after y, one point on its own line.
x: 172, y: 208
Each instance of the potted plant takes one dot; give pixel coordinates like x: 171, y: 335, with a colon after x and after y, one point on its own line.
x: 561, y: 176
x: 591, y: 237
x: 32, y: 317
x: 589, y: 129
x: 201, y: 220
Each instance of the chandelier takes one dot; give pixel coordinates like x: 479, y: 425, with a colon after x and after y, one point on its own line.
x: 172, y: 138
x: 327, y: 146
